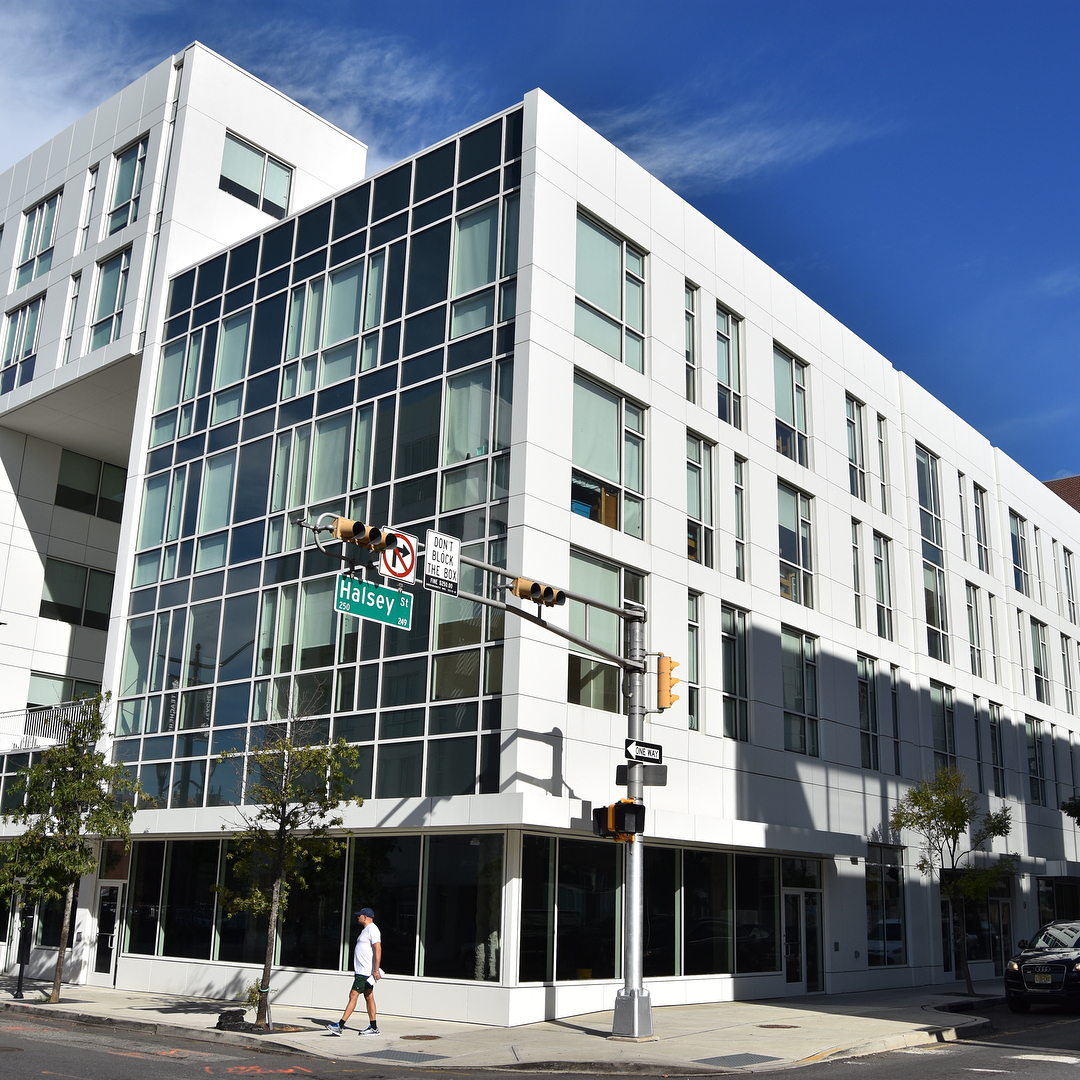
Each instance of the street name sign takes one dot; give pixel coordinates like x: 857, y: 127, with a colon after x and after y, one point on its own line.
x: 442, y: 563
x: 366, y: 601
x: 651, y: 753
x: 399, y: 563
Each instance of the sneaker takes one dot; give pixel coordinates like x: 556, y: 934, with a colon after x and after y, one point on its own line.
x: 334, y: 1028
x: 371, y: 1029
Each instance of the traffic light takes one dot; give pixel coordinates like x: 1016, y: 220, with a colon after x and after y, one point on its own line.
x: 366, y: 536
x: 537, y: 592
x: 620, y: 821
x: 664, y: 682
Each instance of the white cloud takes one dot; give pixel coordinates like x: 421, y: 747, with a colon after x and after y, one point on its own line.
x: 61, y: 60
x: 395, y: 101
x: 71, y: 57
x: 698, y: 151
x: 1060, y: 283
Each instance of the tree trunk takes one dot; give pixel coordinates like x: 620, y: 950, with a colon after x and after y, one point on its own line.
x: 271, y: 941
x: 958, y: 907
x: 65, y: 928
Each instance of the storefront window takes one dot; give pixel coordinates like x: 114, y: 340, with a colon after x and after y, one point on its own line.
x: 462, y: 935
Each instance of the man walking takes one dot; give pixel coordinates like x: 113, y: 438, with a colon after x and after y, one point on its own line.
x: 367, y: 956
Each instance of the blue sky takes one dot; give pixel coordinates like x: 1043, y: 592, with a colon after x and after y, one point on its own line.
x: 911, y: 167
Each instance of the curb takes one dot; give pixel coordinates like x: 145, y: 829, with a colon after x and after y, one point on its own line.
x: 930, y: 1036
x: 50, y: 1012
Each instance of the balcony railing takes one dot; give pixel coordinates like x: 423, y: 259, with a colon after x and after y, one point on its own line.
x: 35, y: 729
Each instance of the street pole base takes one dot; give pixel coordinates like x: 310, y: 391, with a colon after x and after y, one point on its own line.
x: 633, y: 1015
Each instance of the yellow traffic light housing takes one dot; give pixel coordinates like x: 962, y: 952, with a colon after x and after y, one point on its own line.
x: 365, y: 536
x: 620, y: 821
x: 537, y: 592
x: 664, y: 682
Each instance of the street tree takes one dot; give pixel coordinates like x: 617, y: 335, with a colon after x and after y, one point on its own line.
x: 943, y: 812
x: 72, y: 795
x: 1071, y: 808
x: 296, y: 785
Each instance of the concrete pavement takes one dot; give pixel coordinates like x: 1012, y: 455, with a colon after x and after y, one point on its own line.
x: 720, y: 1037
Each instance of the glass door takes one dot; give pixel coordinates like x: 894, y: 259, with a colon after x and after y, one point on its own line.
x: 793, y: 937
x: 1001, y: 946
x: 812, y: 943
x: 109, y: 922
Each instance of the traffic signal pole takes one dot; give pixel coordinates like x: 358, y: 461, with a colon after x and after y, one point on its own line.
x: 633, y: 1005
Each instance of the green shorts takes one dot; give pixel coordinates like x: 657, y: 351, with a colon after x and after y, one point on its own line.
x: 361, y: 985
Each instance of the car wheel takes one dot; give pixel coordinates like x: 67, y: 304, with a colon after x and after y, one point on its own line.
x: 1017, y: 1004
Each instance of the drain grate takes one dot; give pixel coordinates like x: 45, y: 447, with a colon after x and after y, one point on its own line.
x: 419, y: 1038
x: 410, y: 1057
x: 733, y: 1061
x: 779, y: 1026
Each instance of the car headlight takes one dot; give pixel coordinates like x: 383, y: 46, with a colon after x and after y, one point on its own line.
x: 1014, y: 966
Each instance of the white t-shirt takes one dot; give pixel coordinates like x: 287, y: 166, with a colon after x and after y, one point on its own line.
x: 364, y: 953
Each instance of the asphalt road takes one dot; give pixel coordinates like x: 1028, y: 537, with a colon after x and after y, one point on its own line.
x: 67, y: 1051
x: 1043, y: 1044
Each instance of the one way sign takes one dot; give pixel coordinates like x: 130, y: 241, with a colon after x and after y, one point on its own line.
x: 636, y: 750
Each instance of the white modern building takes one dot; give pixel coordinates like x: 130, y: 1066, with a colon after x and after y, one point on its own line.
x: 521, y: 338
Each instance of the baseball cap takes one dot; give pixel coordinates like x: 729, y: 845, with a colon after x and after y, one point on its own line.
x: 364, y: 911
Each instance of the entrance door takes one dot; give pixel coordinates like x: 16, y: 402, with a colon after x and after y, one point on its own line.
x: 793, y: 937
x: 109, y: 924
x: 803, y: 957
x: 1001, y: 946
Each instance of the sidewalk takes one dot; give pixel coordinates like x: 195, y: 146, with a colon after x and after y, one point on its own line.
x: 691, y: 1038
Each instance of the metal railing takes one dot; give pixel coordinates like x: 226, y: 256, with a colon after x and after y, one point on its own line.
x: 29, y: 729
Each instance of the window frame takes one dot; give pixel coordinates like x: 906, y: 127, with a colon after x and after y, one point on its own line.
x: 739, y: 514
x: 690, y: 347
x: 261, y: 202
x: 856, y: 423
x: 883, y: 585
x: 982, y: 528
x: 866, y: 674
x: 633, y: 278
x: 1021, y: 567
x: 130, y: 203
x: 729, y: 391
x: 801, y: 734
x: 40, y: 224
x: 943, y: 724
x: 700, y: 472
x: 792, y: 439
x: 974, y: 629
x: 797, y: 584
x: 115, y: 316
x: 734, y: 646
x: 1036, y: 760
x: 584, y: 481
x: 694, y: 602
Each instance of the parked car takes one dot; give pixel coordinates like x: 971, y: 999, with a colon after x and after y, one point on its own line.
x: 1047, y: 969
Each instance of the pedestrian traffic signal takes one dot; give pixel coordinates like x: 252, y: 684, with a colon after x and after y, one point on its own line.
x: 538, y: 592
x: 365, y: 536
x: 664, y: 682
x: 620, y: 821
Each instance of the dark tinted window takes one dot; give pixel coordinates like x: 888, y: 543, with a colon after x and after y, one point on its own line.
x: 434, y: 172
x: 277, y: 247
x: 481, y: 150
x: 350, y: 210
x: 180, y: 298
x: 392, y: 192
x: 211, y: 279
x: 312, y: 229
x: 513, y: 135
x: 242, y: 262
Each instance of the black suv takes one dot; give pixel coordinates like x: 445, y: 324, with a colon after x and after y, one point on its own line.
x: 1047, y: 969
